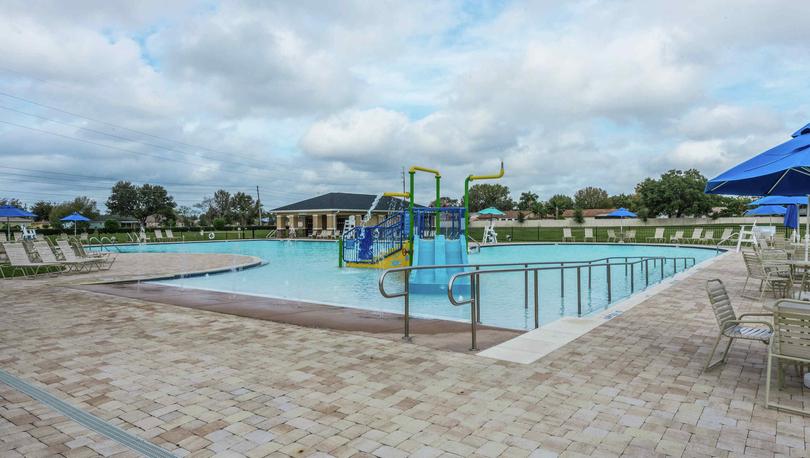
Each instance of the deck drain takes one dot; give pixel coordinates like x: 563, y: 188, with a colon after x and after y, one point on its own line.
x: 85, y: 419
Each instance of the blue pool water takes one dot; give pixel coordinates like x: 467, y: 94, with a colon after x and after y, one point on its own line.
x: 307, y: 270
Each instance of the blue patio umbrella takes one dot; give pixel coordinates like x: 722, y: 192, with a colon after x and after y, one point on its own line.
x: 75, y: 217
x: 783, y: 170
x: 779, y: 200
x: 10, y: 211
x: 767, y: 210
x: 622, y: 213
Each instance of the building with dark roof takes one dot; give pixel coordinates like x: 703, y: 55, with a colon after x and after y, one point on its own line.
x: 330, y: 211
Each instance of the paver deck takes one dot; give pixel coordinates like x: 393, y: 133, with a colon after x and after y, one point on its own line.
x: 200, y: 383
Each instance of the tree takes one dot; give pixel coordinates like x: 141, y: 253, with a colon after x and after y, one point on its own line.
x: 140, y: 202
x: 527, y: 201
x: 591, y: 197
x: 42, y: 209
x: 627, y: 201
x: 221, y: 206
x: 446, y: 202
x: 490, y: 195
x: 186, y: 216
x: 734, y: 206
x: 13, y: 201
x: 579, y: 217
x: 540, y: 209
x: 675, y: 194
x: 558, y: 204
x: 82, y: 204
x: 243, y: 207
x: 112, y: 225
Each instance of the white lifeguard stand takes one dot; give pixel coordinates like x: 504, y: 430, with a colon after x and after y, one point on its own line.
x: 349, y: 225
x: 754, y: 234
x: 490, y: 236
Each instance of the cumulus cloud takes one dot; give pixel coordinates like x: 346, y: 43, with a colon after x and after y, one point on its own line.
x: 310, y: 96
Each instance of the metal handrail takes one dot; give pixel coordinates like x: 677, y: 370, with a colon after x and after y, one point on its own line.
x: 606, y: 261
x: 726, y: 239
x: 475, y: 292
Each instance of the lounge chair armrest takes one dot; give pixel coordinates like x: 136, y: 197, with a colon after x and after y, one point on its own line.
x: 755, y: 314
x: 764, y: 323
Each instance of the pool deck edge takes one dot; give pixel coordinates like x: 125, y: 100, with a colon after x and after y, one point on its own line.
x: 537, y: 343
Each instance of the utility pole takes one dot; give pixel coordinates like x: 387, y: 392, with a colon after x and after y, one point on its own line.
x: 403, y: 179
x: 258, y: 205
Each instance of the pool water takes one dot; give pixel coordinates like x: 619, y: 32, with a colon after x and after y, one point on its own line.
x: 307, y: 271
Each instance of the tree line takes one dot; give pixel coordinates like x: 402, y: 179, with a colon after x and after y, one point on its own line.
x: 674, y: 194
x: 142, y: 202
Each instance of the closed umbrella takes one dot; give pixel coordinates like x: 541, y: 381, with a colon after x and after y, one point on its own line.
x: 792, y: 218
x: 10, y: 211
x: 75, y: 217
x: 783, y: 170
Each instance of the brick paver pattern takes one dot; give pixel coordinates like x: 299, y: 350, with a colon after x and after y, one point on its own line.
x: 202, y: 384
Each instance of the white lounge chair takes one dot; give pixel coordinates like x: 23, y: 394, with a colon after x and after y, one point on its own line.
x: 588, y: 237
x: 20, y: 261
x: 708, y: 237
x: 658, y: 237
x: 611, y: 236
x: 68, y: 252
x: 676, y: 237
x: 158, y: 235
x: 18, y: 236
x: 697, y: 233
x: 3, y: 237
x: 170, y: 235
x: 567, y: 237
x: 46, y: 254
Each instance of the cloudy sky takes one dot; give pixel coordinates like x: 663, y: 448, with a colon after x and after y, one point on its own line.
x: 307, y: 97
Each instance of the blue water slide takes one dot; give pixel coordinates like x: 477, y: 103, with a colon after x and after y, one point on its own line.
x: 437, y: 251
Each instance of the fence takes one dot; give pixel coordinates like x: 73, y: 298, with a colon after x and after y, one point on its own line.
x: 517, y: 233
x: 368, y: 245
x: 451, y: 222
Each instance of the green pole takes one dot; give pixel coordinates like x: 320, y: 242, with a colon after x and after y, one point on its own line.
x: 340, y: 252
x: 438, y: 202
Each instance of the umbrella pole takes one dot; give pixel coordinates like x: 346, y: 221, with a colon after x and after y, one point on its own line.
x: 807, y: 228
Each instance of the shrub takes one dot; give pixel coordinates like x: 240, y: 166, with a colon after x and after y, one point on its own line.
x: 578, y: 216
x: 219, y: 224
x: 112, y: 225
x: 521, y: 217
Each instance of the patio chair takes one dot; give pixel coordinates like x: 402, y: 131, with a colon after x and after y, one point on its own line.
x: 775, y: 276
x: 170, y: 235
x: 158, y: 235
x: 78, y: 250
x: 45, y: 252
x: 658, y: 236
x: 677, y: 237
x: 84, y: 237
x: 20, y: 261
x: 696, y: 235
x: 726, y: 235
x: 630, y: 236
x: 100, y: 263
x: 790, y: 344
x: 611, y: 236
x: 588, y: 237
x: 708, y: 237
x: 733, y: 326
x: 567, y: 237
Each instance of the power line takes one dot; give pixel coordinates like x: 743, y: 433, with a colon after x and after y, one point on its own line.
x: 103, y: 145
x: 119, y: 137
x: 109, y: 124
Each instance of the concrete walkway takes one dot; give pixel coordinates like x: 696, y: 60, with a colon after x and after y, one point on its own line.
x: 200, y: 383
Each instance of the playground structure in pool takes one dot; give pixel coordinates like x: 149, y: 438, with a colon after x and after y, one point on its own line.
x: 416, y: 237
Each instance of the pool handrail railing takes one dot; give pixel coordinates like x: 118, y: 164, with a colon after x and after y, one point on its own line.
x: 526, y: 268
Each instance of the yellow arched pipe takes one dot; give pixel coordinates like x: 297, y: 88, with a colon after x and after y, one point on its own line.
x: 406, y: 195
x: 416, y: 168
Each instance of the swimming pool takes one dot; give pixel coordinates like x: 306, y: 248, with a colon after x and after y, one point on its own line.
x: 307, y: 271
